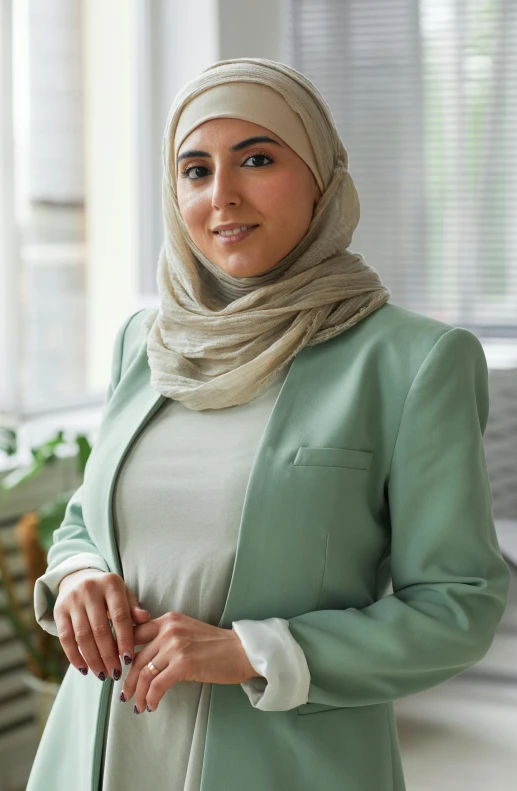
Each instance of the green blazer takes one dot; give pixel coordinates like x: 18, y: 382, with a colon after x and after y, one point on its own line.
x: 371, y: 469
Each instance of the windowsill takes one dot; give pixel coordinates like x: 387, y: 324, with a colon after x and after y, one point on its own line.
x: 34, y: 431
x: 501, y: 353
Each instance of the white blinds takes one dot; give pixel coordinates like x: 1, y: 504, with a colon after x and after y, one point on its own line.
x: 424, y: 95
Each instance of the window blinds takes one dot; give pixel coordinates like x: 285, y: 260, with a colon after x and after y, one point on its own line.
x: 424, y: 95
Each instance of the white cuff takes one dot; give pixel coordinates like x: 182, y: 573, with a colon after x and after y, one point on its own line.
x: 46, y: 587
x: 275, y: 654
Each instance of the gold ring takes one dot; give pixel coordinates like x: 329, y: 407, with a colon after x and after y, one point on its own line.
x: 153, y: 669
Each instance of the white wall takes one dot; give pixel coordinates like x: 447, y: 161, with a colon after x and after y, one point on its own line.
x: 111, y: 164
x: 137, y: 56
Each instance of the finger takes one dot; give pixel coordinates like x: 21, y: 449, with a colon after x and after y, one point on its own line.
x: 115, y: 592
x: 147, y: 679
x: 138, y: 615
x: 103, y: 640
x: 86, y: 641
x: 135, y: 604
x: 66, y: 635
x: 141, y: 659
x: 145, y: 632
x: 159, y: 685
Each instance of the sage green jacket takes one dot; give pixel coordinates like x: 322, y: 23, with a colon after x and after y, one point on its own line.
x: 371, y: 469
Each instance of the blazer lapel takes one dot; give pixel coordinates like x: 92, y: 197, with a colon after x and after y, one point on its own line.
x: 133, y: 404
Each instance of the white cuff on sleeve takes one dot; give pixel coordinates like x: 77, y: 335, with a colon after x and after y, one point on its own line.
x: 47, y: 585
x: 275, y: 654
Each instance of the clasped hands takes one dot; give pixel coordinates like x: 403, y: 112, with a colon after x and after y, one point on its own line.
x: 183, y: 649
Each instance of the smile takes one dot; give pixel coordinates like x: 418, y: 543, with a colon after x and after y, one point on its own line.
x: 234, y: 238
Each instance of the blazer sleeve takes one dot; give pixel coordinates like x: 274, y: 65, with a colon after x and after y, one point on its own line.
x: 450, y: 582
x: 72, y: 548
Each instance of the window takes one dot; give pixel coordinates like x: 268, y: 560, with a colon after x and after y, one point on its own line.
x: 45, y: 262
x: 424, y: 95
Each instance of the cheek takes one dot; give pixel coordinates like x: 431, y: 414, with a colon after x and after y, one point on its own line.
x: 195, y: 212
x: 287, y: 199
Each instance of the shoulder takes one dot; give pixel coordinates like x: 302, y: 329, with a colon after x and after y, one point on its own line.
x: 410, y: 330
x: 398, y: 340
x: 133, y: 335
x: 393, y: 319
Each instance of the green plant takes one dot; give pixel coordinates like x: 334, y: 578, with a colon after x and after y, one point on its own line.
x: 34, y: 534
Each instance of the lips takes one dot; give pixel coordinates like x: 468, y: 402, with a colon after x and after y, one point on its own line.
x: 230, y: 239
x: 236, y: 226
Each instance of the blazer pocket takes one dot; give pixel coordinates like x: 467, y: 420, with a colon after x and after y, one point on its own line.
x: 333, y: 457
x: 313, y: 708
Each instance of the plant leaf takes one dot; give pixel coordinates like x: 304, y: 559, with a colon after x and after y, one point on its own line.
x: 85, y: 449
x: 8, y: 441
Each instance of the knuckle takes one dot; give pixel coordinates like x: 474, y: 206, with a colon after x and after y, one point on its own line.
x: 112, y: 581
x: 119, y: 614
x: 88, y: 585
x: 81, y: 632
x: 101, y: 629
x: 169, y: 631
x: 66, y: 636
x: 171, y: 621
x: 182, y: 663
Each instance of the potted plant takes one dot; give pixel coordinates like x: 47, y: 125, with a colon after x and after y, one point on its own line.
x: 46, y: 660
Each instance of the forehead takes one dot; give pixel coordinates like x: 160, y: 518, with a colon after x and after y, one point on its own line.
x: 224, y: 131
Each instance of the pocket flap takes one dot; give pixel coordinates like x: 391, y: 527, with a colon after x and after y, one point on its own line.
x: 334, y: 457
x: 312, y: 708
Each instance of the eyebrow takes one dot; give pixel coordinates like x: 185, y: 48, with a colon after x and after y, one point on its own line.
x: 237, y: 147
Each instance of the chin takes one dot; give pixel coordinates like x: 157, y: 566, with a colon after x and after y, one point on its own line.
x: 242, y: 268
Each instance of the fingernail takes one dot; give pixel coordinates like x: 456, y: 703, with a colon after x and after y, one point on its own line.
x: 83, y: 670
x: 122, y: 697
x: 147, y: 708
x: 102, y: 677
x: 135, y: 710
x: 127, y: 658
x: 116, y: 674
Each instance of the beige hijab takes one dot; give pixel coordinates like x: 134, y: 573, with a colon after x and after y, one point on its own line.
x: 217, y: 340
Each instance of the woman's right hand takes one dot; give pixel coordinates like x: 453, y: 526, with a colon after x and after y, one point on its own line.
x: 87, y: 600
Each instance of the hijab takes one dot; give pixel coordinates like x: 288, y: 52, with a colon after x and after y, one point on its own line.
x: 217, y: 340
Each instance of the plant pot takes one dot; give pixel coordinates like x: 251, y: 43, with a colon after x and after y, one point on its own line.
x: 44, y: 694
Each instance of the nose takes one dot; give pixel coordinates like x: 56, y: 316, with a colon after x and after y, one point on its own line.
x: 225, y: 189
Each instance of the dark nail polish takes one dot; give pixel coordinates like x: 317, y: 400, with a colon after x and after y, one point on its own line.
x: 122, y: 697
x: 102, y: 677
x: 127, y: 658
x: 116, y: 674
x: 83, y: 670
x: 147, y: 708
x: 135, y: 710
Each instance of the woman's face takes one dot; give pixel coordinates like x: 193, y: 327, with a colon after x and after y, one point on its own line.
x: 262, y: 183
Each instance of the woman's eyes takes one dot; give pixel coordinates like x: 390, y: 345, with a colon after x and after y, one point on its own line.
x: 185, y: 173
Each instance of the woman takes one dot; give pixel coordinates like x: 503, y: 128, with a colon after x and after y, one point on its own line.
x: 279, y: 443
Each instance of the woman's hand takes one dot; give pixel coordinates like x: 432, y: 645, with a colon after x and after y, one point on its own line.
x: 88, y: 599
x: 183, y: 649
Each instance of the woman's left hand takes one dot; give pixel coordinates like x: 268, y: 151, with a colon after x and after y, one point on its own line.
x: 183, y: 649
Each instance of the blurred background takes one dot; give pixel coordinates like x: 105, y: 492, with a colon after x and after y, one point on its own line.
x: 424, y: 93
